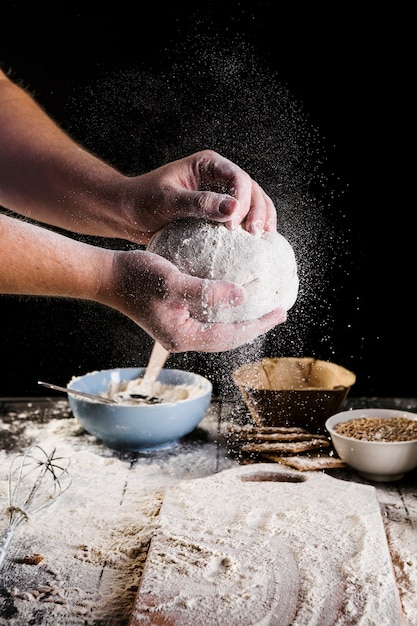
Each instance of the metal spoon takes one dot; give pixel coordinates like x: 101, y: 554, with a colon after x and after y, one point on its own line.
x: 74, y: 392
x: 90, y: 396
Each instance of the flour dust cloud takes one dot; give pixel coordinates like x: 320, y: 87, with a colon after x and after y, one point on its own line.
x: 217, y: 94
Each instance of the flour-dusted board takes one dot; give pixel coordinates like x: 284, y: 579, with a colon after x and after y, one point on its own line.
x: 261, y: 545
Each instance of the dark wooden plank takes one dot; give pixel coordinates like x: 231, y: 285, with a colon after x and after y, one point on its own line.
x: 94, y: 541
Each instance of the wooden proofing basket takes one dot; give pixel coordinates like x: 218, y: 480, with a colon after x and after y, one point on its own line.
x: 292, y: 391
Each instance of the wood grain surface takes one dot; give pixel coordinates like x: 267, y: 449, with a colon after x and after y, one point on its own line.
x: 94, y: 541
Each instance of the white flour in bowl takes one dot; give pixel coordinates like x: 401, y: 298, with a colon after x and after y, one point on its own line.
x: 124, y: 390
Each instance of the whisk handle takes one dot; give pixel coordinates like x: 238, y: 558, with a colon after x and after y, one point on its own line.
x: 5, y: 540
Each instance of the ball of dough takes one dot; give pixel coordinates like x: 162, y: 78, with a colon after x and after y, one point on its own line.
x: 264, y: 265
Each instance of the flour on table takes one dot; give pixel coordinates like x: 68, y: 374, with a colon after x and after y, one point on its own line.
x: 269, y: 551
x: 105, y: 520
x: 265, y: 265
x: 109, y: 515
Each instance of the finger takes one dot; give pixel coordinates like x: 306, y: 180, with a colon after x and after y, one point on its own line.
x: 222, y: 337
x: 203, y: 296
x: 225, y: 209
x: 211, y: 205
x: 255, y: 208
x: 220, y: 182
x: 234, y: 181
x: 262, y: 215
x: 202, y: 337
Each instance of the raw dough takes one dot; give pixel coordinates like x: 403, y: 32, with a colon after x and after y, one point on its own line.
x: 265, y: 265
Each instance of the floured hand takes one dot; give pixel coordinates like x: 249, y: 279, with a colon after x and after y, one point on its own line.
x: 172, y: 306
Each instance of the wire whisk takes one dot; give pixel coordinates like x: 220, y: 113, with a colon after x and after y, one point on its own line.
x: 36, y: 480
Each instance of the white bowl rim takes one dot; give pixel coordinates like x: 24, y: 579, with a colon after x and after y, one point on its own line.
x: 346, y: 416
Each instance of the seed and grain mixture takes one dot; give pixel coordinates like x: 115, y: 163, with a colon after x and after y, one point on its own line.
x: 382, y: 429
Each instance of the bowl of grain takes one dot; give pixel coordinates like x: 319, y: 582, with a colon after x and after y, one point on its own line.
x: 135, y: 422
x: 380, y: 444
x: 293, y: 391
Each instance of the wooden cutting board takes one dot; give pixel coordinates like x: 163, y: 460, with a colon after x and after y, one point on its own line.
x: 262, y: 545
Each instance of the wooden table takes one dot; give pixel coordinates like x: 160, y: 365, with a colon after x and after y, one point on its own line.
x: 80, y: 561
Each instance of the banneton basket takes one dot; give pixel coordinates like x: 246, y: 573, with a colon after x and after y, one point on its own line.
x: 292, y: 391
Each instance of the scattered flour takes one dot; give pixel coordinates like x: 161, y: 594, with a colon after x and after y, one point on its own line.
x: 95, y: 540
x: 269, y: 551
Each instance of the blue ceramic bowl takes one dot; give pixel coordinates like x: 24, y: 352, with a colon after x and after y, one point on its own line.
x: 142, y: 427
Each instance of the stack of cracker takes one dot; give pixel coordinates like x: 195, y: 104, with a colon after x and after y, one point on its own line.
x: 292, y: 446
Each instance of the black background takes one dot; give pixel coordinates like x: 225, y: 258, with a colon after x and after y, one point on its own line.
x: 315, y: 105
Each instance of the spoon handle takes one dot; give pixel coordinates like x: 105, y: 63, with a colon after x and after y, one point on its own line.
x: 74, y: 392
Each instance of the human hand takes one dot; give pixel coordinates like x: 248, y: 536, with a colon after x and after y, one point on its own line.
x: 51, y: 179
x: 172, y: 307
x: 205, y: 185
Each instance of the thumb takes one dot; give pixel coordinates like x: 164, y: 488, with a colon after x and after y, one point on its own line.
x: 219, y: 207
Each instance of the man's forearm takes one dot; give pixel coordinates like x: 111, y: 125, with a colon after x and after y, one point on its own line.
x: 46, y: 176
x: 37, y: 261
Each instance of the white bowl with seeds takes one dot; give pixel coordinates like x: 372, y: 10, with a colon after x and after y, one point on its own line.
x: 380, y: 444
